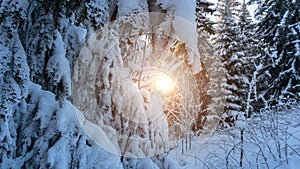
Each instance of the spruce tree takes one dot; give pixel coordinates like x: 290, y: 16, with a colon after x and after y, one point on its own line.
x: 203, y: 9
x: 226, y: 45
x: 247, y: 51
x: 279, y: 28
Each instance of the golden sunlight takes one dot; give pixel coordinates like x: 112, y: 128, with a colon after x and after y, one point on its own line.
x: 165, y: 84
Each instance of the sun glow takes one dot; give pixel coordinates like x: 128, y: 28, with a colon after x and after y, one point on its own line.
x: 165, y: 84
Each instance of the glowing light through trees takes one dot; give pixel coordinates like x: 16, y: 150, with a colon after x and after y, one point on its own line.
x: 165, y: 84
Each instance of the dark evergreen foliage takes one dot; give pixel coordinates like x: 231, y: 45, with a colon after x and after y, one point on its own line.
x: 279, y: 29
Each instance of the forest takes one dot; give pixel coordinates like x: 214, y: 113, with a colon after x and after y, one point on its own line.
x: 152, y: 84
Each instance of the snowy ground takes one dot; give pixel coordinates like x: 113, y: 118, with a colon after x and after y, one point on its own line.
x: 270, y: 141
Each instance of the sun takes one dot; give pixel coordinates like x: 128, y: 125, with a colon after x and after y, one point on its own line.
x: 165, y: 84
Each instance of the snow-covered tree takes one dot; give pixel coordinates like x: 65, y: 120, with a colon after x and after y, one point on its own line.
x: 235, y: 46
x: 204, y: 23
x: 74, y: 40
x: 226, y: 43
x: 205, y: 48
x: 52, y: 137
x: 40, y: 38
x: 58, y: 70
x: 14, y: 77
x: 92, y: 14
x: 247, y: 52
x: 279, y: 29
x: 52, y: 43
x: 116, y: 60
x: 40, y: 43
